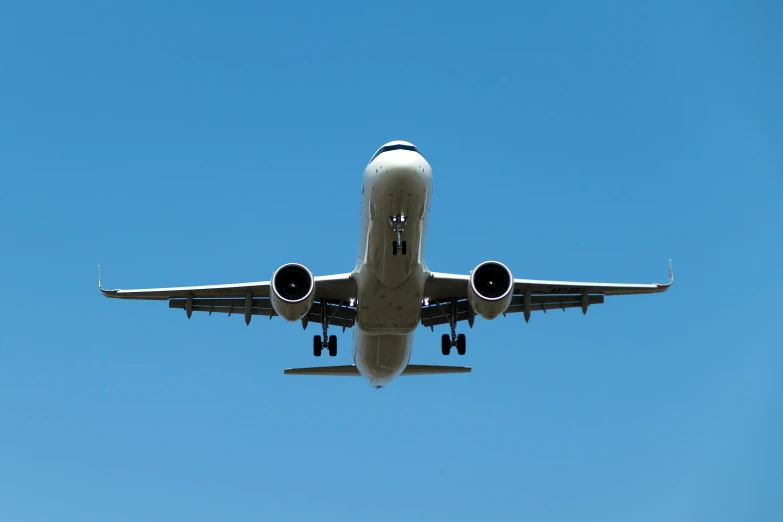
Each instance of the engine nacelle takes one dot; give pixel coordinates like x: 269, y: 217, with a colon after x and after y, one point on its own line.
x: 490, y: 289
x: 293, y: 291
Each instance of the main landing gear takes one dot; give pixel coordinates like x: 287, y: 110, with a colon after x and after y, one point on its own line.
x: 398, y: 226
x: 328, y: 341
x: 448, y: 341
x: 319, y: 345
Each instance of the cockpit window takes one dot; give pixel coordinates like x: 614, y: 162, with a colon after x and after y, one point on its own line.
x: 399, y: 146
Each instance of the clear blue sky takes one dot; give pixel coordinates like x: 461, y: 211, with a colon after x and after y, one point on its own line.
x: 186, y: 143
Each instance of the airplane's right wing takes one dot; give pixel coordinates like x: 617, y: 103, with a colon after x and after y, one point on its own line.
x: 333, y: 295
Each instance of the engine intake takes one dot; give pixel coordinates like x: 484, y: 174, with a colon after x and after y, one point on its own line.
x: 293, y: 291
x: 490, y: 289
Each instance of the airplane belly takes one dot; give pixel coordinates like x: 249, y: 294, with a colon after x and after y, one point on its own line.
x: 390, y: 286
x: 396, y: 193
x: 389, y: 310
x: 381, y: 358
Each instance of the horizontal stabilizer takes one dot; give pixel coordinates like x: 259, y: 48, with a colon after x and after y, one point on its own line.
x: 430, y: 369
x: 339, y: 371
x: 352, y: 371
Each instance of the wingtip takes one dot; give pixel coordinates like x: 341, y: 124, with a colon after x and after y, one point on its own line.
x: 664, y: 287
x: 108, y: 293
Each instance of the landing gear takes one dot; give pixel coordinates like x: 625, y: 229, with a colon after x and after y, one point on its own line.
x: 461, y: 344
x: 445, y: 344
x: 402, y: 247
x: 398, y: 226
x: 448, y: 341
x: 328, y: 342
x: 319, y: 345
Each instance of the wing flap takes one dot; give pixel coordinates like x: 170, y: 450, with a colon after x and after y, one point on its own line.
x: 439, y: 313
x: 551, y: 302
x: 339, y: 316
x: 225, y: 306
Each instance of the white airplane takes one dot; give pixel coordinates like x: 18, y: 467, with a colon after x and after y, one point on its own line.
x: 390, y: 291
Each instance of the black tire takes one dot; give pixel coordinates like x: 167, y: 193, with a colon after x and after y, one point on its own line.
x: 445, y: 344
x: 317, y: 346
x: 394, y: 248
x: 404, y: 247
x: 332, y: 345
x: 461, y: 344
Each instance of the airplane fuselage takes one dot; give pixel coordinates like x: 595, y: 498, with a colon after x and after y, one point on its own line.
x: 396, y: 193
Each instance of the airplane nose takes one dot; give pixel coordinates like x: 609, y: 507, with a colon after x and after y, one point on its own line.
x: 405, y: 175
x: 404, y: 167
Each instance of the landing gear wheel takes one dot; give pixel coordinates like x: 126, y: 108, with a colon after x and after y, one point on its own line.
x: 445, y: 344
x: 404, y: 247
x: 461, y: 344
x: 317, y: 345
x: 394, y: 248
x: 332, y: 345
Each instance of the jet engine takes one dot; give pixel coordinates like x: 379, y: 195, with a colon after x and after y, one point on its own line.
x: 490, y: 289
x: 293, y: 291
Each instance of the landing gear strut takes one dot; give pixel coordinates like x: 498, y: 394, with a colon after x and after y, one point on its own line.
x: 398, y: 226
x: 328, y: 341
x: 448, y: 341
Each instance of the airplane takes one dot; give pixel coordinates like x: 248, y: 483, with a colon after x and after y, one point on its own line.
x: 391, y: 291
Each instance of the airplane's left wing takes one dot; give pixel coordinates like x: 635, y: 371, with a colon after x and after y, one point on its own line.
x: 334, y: 292
x: 446, y: 296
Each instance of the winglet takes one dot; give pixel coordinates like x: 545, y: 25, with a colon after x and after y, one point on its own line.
x: 663, y: 287
x: 107, y: 293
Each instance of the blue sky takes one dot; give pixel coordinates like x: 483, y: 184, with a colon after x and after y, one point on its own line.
x: 202, y: 143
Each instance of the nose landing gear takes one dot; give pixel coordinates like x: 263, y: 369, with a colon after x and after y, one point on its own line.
x: 401, y: 247
x: 398, y: 226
